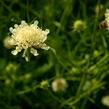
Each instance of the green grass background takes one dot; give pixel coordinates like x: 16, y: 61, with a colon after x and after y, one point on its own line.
x: 82, y: 58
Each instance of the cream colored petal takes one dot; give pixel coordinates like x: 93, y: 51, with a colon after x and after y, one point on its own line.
x: 44, y: 38
x: 47, y: 31
x: 34, y: 52
x: 11, y: 29
x: 23, y: 23
x: 36, y: 23
x: 45, y: 47
x: 15, y: 25
x: 11, y: 41
x: 14, y: 52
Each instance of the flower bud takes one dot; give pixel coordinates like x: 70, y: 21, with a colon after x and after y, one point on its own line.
x: 79, y: 25
x: 44, y: 84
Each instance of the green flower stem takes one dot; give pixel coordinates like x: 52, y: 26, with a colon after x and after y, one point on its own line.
x: 86, y: 94
x: 54, y: 97
x: 59, y: 61
x: 26, y: 54
x: 81, y: 85
x: 28, y: 90
x: 84, y: 103
x: 72, y: 101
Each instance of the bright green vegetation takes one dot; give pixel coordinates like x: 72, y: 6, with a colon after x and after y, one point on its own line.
x: 80, y: 57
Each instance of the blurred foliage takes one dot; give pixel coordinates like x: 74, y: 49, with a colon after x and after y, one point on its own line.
x: 82, y: 58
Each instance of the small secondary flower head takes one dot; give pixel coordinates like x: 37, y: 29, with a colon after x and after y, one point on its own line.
x: 7, y: 43
x: 59, y: 84
x: 99, y: 9
x: 105, y: 100
x: 79, y: 25
x: 26, y: 36
x: 107, y: 18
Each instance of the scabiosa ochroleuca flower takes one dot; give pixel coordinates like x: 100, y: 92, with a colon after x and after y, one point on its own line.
x: 28, y: 37
x: 105, y: 100
x: 107, y: 18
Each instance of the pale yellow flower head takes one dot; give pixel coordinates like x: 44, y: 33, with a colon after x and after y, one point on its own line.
x: 107, y: 18
x: 7, y: 43
x: 105, y: 100
x: 59, y: 84
x: 30, y: 36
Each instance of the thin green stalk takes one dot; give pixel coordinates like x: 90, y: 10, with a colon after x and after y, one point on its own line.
x: 81, y: 85
x: 58, y: 59
x: 28, y: 17
x: 28, y: 90
x: 84, y: 103
x: 65, y: 14
x: 53, y: 96
x: 9, y: 9
x: 72, y: 101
